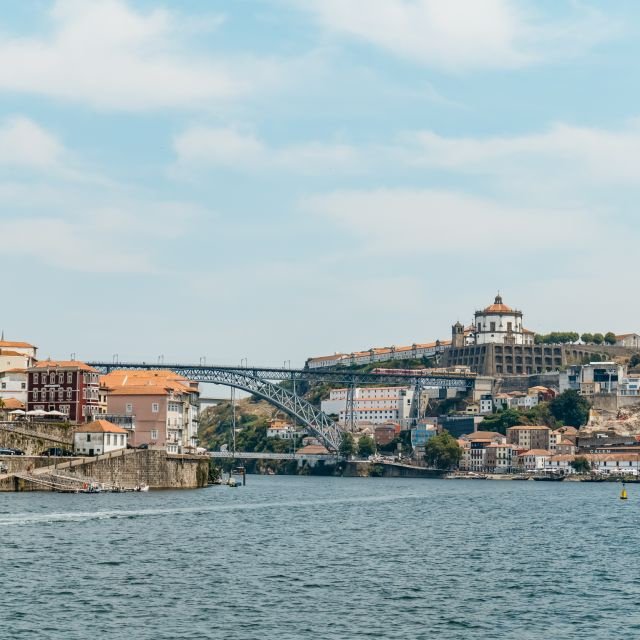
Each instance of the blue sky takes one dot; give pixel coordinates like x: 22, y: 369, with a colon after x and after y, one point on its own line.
x: 273, y: 179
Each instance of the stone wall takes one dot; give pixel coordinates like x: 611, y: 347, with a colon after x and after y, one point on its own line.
x: 35, y: 437
x: 131, y: 467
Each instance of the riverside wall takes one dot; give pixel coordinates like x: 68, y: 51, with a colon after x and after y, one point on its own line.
x: 126, y: 467
x: 387, y: 470
x: 34, y: 437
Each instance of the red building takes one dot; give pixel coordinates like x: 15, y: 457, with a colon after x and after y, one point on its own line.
x: 70, y: 387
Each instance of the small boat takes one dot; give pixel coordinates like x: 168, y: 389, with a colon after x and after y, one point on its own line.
x: 232, y: 482
x: 142, y: 487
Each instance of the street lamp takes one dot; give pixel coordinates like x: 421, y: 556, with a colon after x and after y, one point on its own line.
x: 246, y: 362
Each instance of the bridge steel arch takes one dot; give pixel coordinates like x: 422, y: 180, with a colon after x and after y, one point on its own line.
x: 325, y: 429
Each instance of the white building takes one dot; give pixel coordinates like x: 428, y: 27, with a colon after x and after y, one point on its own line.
x: 13, y: 384
x: 629, y: 340
x: 592, y: 378
x: 373, y: 405
x: 629, y: 386
x: 282, y: 429
x: 380, y: 354
x: 500, y: 324
x: 534, y: 459
x: 97, y: 437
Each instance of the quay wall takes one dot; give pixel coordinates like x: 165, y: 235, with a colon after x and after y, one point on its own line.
x: 35, y: 437
x: 153, y: 467
x: 387, y: 470
x: 127, y: 468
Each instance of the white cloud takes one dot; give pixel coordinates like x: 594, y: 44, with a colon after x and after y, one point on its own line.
x: 437, y: 222
x: 565, y: 153
x: 201, y: 147
x: 110, y: 56
x: 77, y: 246
x: 24, y: 143
x: 459, y: 34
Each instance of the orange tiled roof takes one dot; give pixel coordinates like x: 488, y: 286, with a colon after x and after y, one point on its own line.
x: 143, y: 390
x: 63, y: 364
x: 153, y: 377
x: 11, y: 343
x: 100, y: 426
x: 11, y: 404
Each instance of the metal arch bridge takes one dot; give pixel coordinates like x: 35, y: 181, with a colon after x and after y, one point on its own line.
x: 262, y: 382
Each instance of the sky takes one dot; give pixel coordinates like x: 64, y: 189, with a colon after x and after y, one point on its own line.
x: 279, y: 179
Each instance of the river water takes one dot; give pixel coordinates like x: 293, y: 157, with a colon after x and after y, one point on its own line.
x: 299, y: 557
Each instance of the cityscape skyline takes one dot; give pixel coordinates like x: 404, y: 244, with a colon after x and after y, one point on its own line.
x: 276, y: 179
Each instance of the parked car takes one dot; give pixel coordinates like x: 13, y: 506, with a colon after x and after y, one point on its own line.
x: 7, y: 452
x: 16, y: 451
x: 56, y: 451
x: 144, y: 445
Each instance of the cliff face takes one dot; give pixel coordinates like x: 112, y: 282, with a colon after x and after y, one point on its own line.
x: 624, y: 421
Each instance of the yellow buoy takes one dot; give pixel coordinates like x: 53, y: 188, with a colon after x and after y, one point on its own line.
x: 623, y: 494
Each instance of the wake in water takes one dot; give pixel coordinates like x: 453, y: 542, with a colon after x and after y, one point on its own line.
x: 26, y: 518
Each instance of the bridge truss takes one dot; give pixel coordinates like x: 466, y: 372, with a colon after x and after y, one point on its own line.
x: 262, y: 382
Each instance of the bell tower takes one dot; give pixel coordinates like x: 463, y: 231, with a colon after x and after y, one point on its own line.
x: 457, y: 336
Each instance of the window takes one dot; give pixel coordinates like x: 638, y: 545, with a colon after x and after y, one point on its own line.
x: 88, y: 437
x: 52, y: 395
x: 108, y: 438
x: 68, y: 394
x: 60, y: 378
x: 36, y: 377
x: 23, y: 385
x: 493, y: 327
x: 129, y: 408
x: 4, y: 385
x: 154, y: 434
x: 69, y: 377
x: 155, y: 407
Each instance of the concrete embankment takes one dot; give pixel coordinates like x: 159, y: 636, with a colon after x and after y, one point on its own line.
x: 125, y: 468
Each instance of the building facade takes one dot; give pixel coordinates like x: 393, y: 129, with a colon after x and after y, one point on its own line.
x: 163, y: 406
x: 371, y: 405
x: 70, y: 387
x: 529, y: 437
x: 98, y: 437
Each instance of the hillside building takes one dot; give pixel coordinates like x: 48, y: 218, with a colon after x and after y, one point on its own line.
x: 67, y: 386
x: 371, y: 405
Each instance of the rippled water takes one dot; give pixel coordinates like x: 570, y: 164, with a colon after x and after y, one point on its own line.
x: 299, y: 557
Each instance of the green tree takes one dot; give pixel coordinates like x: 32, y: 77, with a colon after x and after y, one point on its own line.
x: 610, y: 338
x: 570, y: 408
x: 502, y: 420
x: 634, y: 361
x: 366, y: 446
x: 598, y: 338
x: 581, y: 465
x: 443, y: 451
x: 347, y: 445
x: 587, y: 338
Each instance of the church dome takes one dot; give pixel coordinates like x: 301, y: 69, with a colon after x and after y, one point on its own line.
x: 498, y: 306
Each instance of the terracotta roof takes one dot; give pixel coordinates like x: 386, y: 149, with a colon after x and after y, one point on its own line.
x: 100, y: 426
x: 10, y: 352
x: 312, y: 450
x: 11, y: 343
x: 14, y: 370
x: 482, y: 435
x: 525, y: 427
x: 153, y: 377
x: 536, y: 452
x: 142, y: 390
x: 498, y: 306
x: 11, y: 404
x: 63, y: 364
